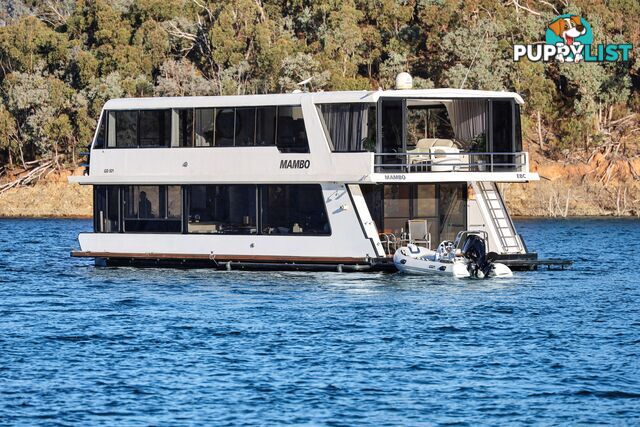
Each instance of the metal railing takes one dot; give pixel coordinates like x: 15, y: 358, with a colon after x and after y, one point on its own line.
x: 452, y: 162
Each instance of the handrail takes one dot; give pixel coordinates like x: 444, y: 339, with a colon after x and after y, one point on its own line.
x: 452, y: 161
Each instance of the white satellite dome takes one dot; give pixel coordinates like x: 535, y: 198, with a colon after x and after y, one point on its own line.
x: 404, y: 81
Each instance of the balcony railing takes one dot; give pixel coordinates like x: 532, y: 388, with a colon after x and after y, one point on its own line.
x: 452, y: 162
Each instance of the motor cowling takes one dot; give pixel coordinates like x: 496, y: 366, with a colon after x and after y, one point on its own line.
x: 474, y: 249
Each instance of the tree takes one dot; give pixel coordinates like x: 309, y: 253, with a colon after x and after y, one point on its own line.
x: 181, y: 78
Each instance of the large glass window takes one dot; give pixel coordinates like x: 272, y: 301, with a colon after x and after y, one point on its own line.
x: 427, y: 123
x: 443, y: 206
x: 204, y: 127
x: 291, y: 132
x: 102, y: 133
x: 503, y: 131
x: 155, y: 128
x: 453, y: 210
x: 397, y: 208
x: 131, y: 129
x: 126, y: 129
x: 106, y: 203
x: 225, y: 127
x: 222, y: 209
x: 265, y: 126
x: 185, y: 127
x: 294, y: 209
x: 150, y: 208
x: 245, y: 126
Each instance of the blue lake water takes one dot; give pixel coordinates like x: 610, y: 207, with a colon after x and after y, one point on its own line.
x: 81, y: 345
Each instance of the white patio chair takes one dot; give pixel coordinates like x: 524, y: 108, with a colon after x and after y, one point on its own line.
x: 419, y: 232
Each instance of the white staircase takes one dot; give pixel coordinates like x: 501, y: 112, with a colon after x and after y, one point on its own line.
x: 495, y: 212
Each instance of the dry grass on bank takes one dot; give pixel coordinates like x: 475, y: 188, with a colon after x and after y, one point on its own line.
x: 596, y: 188
x: 53, y: 197
x: 600, y: 187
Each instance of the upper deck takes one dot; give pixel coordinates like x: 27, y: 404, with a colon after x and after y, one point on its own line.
x: 435, y: 135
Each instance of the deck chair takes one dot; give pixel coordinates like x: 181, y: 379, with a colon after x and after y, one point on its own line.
x: 419, y: 232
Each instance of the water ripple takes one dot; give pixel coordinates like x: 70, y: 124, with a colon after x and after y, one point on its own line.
x: 104, y: 346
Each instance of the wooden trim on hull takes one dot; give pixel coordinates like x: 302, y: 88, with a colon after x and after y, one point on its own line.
x: 239, y: 262
x: 223, y: 258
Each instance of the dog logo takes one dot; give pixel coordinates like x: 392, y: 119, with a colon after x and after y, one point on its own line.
x: 568, y: 38
x: 569, y: 30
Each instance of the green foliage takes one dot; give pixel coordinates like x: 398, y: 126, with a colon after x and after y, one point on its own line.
x: 60, y: 60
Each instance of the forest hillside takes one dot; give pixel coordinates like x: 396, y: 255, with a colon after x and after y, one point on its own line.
x: 60, y: 60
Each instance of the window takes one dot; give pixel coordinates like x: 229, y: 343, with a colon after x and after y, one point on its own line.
x: 291, y: 132
x: 502, y: 117
x: 225, y: 127
x: 204, y: 127
x: 265, y: 126
x: 453, y: 210
x: 155, y: 128
x: 126, y: 129
x: 518, y: 142
x: 396, y: 208
x: 106, y: 204
x: 102, y: 133
x: 443, y: 206
x: 222, y: 209
x: 174, y: 202
x: 294, y: 209
x: 132, y: 129
x: 347, y: 126
x: 151, y: 208
x: 427, y: 122
x: 245, y: 126
x: 185, y: 127
x: 502, y: 134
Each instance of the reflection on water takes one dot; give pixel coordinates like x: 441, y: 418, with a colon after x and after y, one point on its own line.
x: 86, y: 345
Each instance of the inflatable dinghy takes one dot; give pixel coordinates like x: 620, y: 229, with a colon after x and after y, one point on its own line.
x: 466, y: 257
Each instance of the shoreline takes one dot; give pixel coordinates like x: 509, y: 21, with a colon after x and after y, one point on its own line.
x: 567, y: 191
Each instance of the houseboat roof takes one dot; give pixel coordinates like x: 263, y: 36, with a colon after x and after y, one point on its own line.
x: 356, y: 96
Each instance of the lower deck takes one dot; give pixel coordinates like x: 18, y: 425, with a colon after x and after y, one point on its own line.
x: 280, y: 225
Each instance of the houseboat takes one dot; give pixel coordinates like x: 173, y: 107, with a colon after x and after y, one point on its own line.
x: 324, y: 180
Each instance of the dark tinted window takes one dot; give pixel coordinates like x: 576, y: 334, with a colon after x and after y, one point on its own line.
x: 502, y: 116
x: 185, y: 128
x: 102, y: 132
x: 225, y: 127
x: 222, y: 209
x: 204, y: 127
x: 145, y: 209
x: 291, y: 133
x: 155, y: 128
x: 265, y: 125
x: 294, y: 209
x: 126, y: 129
x: 106, y: 205
x: 245, y: 126
x: 518, y: 142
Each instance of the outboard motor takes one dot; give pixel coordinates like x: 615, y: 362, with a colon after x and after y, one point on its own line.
x: 475, y: 250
